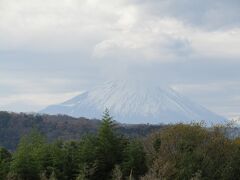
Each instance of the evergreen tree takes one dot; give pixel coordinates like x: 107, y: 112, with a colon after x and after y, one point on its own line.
x: 134, y: 161
x: 109, y: 147
x: 27, y: 159
x: 71, y: 160
x: 54, y: 160
x: 88, y: 148
x: 5, y: 158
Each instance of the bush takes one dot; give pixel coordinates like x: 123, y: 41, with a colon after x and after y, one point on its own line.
x: 190, y: 151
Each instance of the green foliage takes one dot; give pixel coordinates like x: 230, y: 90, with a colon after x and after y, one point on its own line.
x: 109, y: 147
x: 13, y: 126
x: 134, y: 161
x: 177, y: 152
x: 157, y: 144
x: 27, y: 160
x: 194, y: 152
x: 71, y: 160
x: 93, y: 157
x: 53, y: 160
x: 87, y: 156
x: 5, y: 158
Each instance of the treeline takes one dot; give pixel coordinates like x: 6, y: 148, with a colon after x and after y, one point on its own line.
x: 14, y: 125
x: 176, y: 152
x: 105, y: 155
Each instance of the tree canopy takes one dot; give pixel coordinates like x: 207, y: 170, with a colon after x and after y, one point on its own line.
x: 176, y: 152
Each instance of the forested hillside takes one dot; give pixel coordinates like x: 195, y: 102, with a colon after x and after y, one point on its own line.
x: 15, y: 125
x: 179, y: 151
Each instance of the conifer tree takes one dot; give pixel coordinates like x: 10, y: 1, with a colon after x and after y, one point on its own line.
x: 5, y: 158
x: 109, y: 147
x: 134, y: 162
x: 27, y: 160
x: 71, y: 160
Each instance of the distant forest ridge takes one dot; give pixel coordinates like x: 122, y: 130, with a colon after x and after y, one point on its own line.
x: 14, y: 125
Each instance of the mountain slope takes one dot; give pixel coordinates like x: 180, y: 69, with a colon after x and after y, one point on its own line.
x: 135, y: 102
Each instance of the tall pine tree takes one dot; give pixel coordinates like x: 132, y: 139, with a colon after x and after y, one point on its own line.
x: 109, y: 147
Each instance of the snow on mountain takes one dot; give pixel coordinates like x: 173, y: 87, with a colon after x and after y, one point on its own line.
x: 135, y: 102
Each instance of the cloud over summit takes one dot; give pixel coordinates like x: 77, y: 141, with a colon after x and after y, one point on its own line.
x: 83, y: 42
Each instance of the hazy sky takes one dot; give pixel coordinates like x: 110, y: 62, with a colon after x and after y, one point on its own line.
x: 51, y: 50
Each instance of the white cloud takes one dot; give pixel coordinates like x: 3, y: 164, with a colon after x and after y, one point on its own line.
x: 218, y: 44
x: 113, y: 29
x: 33, y: 102
x: 210, y: 15
x: 51, y: 46
x: 223, y: 93
x: 147, y: 40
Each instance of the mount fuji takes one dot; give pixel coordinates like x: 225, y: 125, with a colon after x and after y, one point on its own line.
x: 135, y: 102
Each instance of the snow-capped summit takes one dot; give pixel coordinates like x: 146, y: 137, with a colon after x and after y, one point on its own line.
x: 133, y: 102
